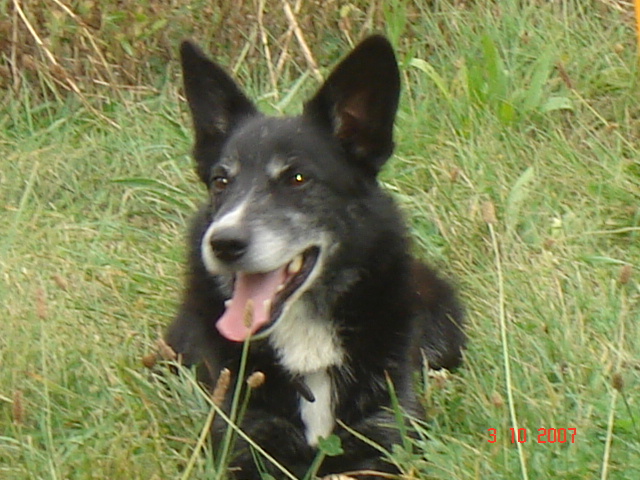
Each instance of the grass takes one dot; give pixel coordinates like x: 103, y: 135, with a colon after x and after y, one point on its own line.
x: 525, y: 109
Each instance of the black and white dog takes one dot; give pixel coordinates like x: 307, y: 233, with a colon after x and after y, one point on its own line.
x: 299, y: 251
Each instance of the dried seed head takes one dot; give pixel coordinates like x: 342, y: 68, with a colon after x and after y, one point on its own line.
x: 625, y: 274
x: 617, y: 381
x: 41, y: 304
x: 60, y: 281
x: 497, y: 400
x: 165, y: 350
x: 255, y: 380
x: 222, y: 385
x: 564, y: 76
x: 439, y: 378
x: 58, y: 72
x: 248, y: 314
x: 489, y: 213
x: 29, y: 63
x: 17, y: 408
x: 150, y: 360
x: 563, y: 367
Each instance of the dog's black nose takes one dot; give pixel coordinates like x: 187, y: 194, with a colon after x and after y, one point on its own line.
x: 229, y: 244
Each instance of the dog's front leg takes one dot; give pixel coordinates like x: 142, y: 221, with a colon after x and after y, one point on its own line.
x: 279, y: 437
x: 361, y: 457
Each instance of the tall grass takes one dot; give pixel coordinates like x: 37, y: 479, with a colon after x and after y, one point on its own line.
x: 517, y: 168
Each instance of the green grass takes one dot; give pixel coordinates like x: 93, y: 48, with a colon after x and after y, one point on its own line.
x: 531, y: 108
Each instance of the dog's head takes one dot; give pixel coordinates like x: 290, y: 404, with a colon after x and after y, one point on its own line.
x: 278, y: 185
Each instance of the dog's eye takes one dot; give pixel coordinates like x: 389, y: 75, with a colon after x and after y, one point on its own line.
x: 297, y: 179
x: 220, y: 182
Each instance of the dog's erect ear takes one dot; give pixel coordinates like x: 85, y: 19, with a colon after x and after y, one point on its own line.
x: 358, y: 102
x: 217, y: 105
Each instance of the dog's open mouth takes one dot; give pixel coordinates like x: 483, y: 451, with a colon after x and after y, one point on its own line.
x: 259, y: 299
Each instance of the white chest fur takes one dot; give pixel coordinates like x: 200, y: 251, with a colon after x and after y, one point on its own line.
x: 318, y: 415
x: 305, y: 344
x: 308, y: 346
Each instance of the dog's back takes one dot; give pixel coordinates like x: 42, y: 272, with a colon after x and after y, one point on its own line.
x: 300, y: 253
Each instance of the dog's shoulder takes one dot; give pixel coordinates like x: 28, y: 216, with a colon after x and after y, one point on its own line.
x: 438, y: 318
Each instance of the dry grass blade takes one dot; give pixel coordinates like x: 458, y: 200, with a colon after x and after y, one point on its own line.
x: 94, y: 45
x: 606, y: 456
x: 33, y: 32
x: 373, y: 474
x: 165, y: 350
x: 202, y: 438
x: 14, y: 51
x: 265, y: 47
x: 58, y: 69
x: 285, y: 43
x: 490, y: 218
x: 313, y: 65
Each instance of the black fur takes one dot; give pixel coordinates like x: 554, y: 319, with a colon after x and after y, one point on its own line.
x: 387, y: 308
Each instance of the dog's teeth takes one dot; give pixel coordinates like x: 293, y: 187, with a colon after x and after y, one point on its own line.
x: 295, y: 266
x: 280, y: 288
x: 227, y: 303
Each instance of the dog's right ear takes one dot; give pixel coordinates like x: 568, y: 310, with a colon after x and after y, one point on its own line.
x: 358, y: 103
x: 216, y: 102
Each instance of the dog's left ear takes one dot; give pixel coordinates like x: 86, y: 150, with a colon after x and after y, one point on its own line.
x: 217, y: 104
x: 358, y: 102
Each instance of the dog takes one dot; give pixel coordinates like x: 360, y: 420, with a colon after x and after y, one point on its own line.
x: 300, y: 252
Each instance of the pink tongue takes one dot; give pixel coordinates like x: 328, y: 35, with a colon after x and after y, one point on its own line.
x: 258, y: 287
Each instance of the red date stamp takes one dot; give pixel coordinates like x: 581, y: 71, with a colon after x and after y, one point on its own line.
x: 544, y: 435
